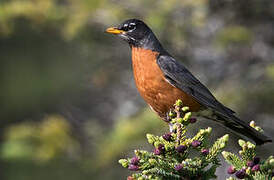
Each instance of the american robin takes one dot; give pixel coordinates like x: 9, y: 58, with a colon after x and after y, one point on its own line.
x: 161, y: 80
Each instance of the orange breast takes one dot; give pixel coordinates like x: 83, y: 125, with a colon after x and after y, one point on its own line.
x: 153, y: 87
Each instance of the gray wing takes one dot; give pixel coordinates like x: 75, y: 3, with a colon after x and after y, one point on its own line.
x: 177, y: 75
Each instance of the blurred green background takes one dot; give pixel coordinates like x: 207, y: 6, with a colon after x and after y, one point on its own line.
x: 69, y: 108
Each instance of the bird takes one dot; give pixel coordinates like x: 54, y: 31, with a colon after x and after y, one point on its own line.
x: 161, y: 80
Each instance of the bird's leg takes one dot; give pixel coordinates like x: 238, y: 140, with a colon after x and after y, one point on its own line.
x: 168, y: 119
x: 170, y: 127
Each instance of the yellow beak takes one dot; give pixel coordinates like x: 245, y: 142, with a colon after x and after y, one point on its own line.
x: 114, y: 30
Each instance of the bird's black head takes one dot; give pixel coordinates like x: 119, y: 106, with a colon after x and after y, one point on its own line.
x: 136, y: 33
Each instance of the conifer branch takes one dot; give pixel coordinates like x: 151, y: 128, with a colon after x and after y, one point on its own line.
x: 170, y: 158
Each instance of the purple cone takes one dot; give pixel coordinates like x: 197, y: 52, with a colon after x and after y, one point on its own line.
x: 159, y: 150
x: 134, y: 160
x: 256, y: 167
x: 181, y: 148
x: 250, y: 163
x: 196, y: 143
x: 133, y: 167
x: 256, y: 160
x: 161, y: 147
x: 240, y: 174
x: 205, y: 152
x: 178, y: 167
x: 192, y: 120
x: 167, y: 136
x: 231, y: 170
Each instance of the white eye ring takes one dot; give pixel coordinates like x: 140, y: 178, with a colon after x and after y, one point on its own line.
x: 131, y: 26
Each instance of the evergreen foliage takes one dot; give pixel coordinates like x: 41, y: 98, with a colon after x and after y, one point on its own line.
x: 247, y: 165
x: 171, y: 157
x: 177, y: 156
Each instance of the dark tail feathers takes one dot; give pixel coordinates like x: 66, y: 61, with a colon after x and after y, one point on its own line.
x: 241, y: 127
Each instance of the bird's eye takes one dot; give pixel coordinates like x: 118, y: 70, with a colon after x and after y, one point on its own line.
x: 125, y: 27
x: 131, y: 26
